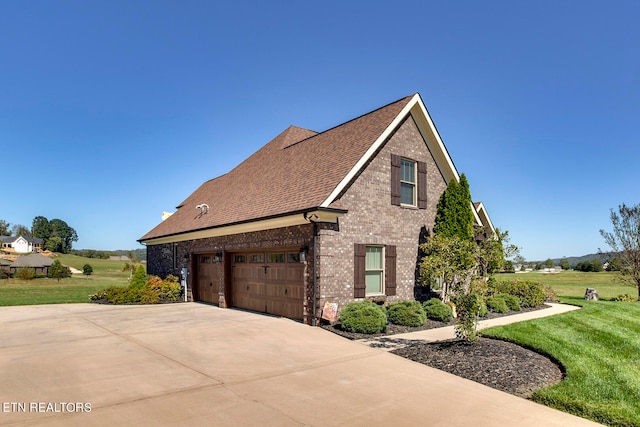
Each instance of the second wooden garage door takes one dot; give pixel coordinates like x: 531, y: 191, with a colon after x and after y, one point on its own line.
x: 269, y: 282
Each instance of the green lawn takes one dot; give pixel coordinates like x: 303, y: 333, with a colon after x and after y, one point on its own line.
x: 71, y: 290
x: 599, y: 347
x: 573, y: 283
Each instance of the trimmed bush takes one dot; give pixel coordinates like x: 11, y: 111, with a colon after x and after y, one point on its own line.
x: 437, y: 310
x: 363, y: 317
x: 513, y: 303
x: 407, y: 313
x: 497, y: 304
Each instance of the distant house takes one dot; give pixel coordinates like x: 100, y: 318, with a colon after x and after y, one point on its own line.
x: 314, y: 218
x: 38, y: 262
x: 119, y: 258
x: 21, y: 244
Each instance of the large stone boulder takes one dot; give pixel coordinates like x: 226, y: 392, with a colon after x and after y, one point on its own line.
x: 591, y: 294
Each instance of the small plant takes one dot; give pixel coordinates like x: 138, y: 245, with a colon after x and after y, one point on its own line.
x: 497, y: 304
x: 407, y: 313
x: 437, y: 310
x: 363, y: 317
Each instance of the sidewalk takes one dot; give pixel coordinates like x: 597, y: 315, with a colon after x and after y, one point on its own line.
x: 393, y: 342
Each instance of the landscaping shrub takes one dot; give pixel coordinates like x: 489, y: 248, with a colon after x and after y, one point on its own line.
x: 530, y: 294
x: 437, y: 310
x: 153, y: 291
x: 363, y: 317
x: 25, y: 273
x: 139, y: 278
x: 407, y: 313
x: 497, y: 304
x: 513, y: 303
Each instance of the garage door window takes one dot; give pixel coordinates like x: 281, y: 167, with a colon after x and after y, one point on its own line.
x: 277, y: 257
x: 255, y: 258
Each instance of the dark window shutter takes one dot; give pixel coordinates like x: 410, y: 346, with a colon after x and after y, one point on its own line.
x: 395, y: 179
x: 359, y: 265
x: 390, y: 270
x: 422, y: 185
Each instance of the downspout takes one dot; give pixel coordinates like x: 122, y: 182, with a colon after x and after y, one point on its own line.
x: 314, y: 321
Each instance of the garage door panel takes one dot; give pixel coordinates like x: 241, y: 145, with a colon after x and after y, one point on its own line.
x: 265, y: 282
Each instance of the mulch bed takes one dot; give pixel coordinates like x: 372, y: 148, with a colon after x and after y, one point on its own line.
x: 498, y: 364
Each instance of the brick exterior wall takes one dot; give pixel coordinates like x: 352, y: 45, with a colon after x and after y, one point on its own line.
x: 371, y: 219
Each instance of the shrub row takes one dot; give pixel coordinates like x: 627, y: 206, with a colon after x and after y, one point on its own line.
x: 365, y: 317
x: 369, y: 318
x: 153, y: 290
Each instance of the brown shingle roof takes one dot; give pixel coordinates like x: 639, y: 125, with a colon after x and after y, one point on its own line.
x: 32, y: 260
x: 296, y: 171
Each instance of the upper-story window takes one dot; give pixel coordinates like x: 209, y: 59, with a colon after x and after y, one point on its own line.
x: 408, y: 182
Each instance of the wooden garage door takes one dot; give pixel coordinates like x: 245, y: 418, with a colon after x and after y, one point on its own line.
x: 208, y: 278
x: 269, y: 282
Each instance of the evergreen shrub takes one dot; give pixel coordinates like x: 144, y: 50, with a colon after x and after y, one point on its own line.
x: 363, y: 317
x: 407, y: 313
x: 437, y: 310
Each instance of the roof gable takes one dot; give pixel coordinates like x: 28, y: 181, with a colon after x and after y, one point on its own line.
x: 295, y: 172
x: 301, y: 170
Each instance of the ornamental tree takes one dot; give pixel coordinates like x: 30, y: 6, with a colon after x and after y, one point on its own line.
x: 625, y: 239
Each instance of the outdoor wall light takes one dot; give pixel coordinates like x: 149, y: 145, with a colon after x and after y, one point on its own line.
x: 303, y: 253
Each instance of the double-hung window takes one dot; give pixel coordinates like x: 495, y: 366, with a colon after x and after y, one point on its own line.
x: 408, y: 182
x: 374, y: 270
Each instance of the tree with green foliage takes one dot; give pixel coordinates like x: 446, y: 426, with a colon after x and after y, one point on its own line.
x: 564, y: 264
x: 57, y: 235
x: 20, y: 230
x: 87, y: 270
x: 615, y: 264
x: 58, y: 271
x: 549, y: 263
x: 625, y: 239
x: 40, y: 228
x: 454, y: 215
x: 4, y: 228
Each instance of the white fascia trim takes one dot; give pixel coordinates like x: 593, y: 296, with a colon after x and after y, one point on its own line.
x: 247, y: 227
x: 486, y: 221
x: 370, y: 152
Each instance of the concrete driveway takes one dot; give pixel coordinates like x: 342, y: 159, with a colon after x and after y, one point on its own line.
x: 195, y: 365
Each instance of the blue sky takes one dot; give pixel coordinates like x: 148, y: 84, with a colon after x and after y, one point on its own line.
x: 113, y: 111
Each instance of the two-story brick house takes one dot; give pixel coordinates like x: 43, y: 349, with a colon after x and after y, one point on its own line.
x: 313, y: 217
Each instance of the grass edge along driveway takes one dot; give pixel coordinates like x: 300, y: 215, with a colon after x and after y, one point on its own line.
x: 599, y: 348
